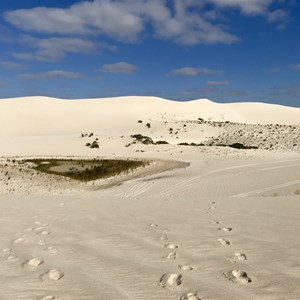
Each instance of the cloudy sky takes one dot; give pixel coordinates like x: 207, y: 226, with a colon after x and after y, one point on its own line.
x: 224, y: 50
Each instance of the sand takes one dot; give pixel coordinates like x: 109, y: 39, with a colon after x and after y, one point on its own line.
x: 201, y: 222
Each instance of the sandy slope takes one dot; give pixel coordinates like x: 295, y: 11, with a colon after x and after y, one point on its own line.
x: 113, y: 243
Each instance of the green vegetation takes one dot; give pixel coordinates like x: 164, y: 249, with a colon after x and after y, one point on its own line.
x: 85, y: 170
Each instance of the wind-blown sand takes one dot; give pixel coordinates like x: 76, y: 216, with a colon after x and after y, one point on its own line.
x: 201, y: 222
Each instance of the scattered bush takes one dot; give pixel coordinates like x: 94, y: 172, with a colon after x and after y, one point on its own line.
x: 241, y: 146
x: 161, y: 143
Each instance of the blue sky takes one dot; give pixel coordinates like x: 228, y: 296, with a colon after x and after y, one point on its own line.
x: 224, y: 50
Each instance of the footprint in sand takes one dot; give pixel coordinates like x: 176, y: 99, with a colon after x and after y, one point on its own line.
x: 171, y: 246
x: 190, y: 296
x: 11, y: 258
x: 53, y: 250
x: 237, y: 276
x: 54, y: 274
x: 224, y: 242
x: 170, y: 280
x: 186, y: 267
x: 41, y: 231
x: 19, y: 240
x: 216, y: 222
x: 42, y: 242
x: 164, y: 237
x: 48, y: 298
x: 226, y: 229
x: 6, y: 250
x: 32, y: 263
x: 171, y: 255
x: 238, y: 257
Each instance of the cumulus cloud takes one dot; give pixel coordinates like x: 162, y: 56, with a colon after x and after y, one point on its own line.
x: 52, y: 75
x: 191, y: 71
x: 119, y: 68
x: 217, y: 83
x: 124, y: 20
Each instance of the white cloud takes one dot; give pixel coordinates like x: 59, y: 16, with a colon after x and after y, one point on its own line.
x: 275, y: 70
x: 124, y: 20
x: 247, y: 7
x: 3, y: 83
x: 211, y: 72
x: 278, y: 15
x: 217, y: 83
x: 119, y: 68
x: 11, y: 65
x: 186, y: 71
x: 296, y: 67
x: 191, y: 71
x: 54, y: 49
x: 52, y: 75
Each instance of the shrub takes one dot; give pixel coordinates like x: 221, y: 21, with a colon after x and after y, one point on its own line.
x: 161, y: 143
x: 241, y: 146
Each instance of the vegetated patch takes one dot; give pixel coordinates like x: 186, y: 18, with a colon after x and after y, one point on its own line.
x: 161, y: 143
x: 94, y: 144
x: 86, y: 170
x: 241, y: 146
x: 190, y: 144
x: 146, y: 140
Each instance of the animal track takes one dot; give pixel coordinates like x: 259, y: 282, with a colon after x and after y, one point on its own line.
x: 190, y: 296
x: 237, y: 276
x: 170, y: 280
x: 32, y: 263
x: 224, y: 242
x: 186, y: 267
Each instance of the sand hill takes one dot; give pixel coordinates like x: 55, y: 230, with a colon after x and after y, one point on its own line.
x: 202, y: 220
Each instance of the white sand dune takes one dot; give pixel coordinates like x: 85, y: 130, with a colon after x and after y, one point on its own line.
x: 225, y: 227
x: 42, y: 115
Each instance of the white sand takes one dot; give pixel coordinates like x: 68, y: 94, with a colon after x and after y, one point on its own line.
x: 229, y: 212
